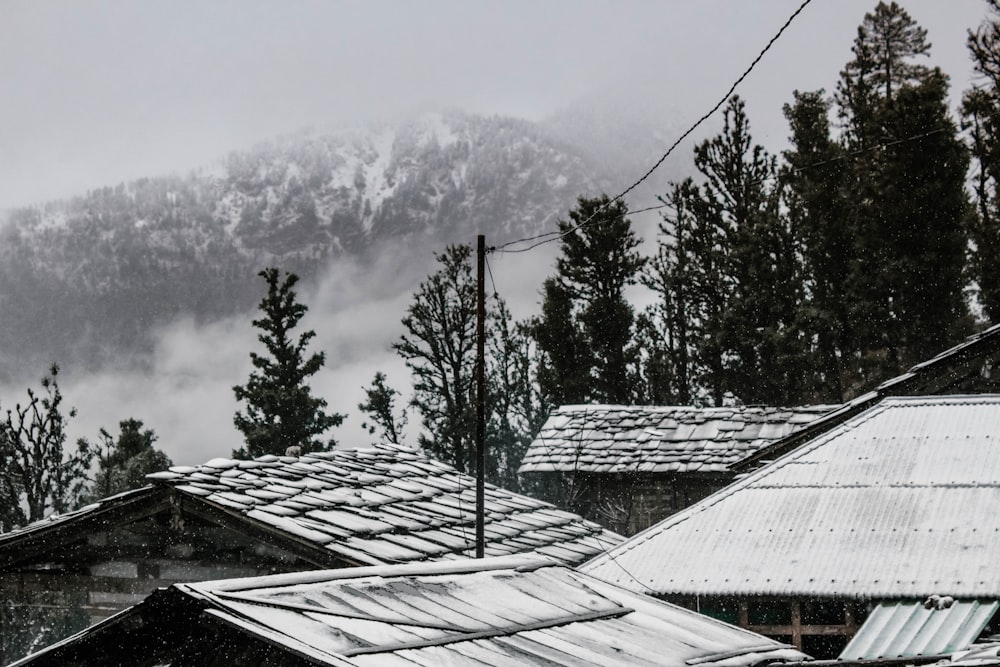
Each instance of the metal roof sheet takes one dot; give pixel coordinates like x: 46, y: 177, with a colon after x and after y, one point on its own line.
x: 658, y: 439
x: 907, y: 629
x: 899, y: 501
x: 500, y: 611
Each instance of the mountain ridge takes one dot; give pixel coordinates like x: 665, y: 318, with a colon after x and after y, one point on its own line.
x: 84, y: 280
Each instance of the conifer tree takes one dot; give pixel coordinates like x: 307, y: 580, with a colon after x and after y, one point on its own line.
x: 380, y: 406
x: 744, y: 270
x: 904, y: 289
x: 817, y: 198
x: 565, y: 356
x: 439, y: 349
x: 598, y: 261
x: 124, y: 463
x: 981, y: 116
x: 280, y: 410
x: 668, y: 327
x: 517, y: 408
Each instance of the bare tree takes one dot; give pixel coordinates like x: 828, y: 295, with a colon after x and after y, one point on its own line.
x: 36, y: 474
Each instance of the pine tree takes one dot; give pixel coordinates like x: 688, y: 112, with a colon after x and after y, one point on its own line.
x: 817, y: 198
x: 439, y: 349
x: 926, y: 209
x: 904, y: 288
x: 380, y: 406
x: 124, y: 463
x: 566, y: 359
x: 887, y: 41
x: 585, y: 304
x: 744, y: 270
x: 666, y: 330
x: 280, y: 411
x: 516, y: 406
x: 981, y: 116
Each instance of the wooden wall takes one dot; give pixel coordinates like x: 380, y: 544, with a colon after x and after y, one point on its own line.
x: 62, y: 591
x: 820, y: 627
x: 629, y: 503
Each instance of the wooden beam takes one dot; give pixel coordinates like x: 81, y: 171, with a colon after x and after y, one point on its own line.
x: 797, y: 624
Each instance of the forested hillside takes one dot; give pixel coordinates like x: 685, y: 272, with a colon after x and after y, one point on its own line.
x: 84, y: 281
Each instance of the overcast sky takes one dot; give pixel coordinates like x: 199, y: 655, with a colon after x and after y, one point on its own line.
x: 96, y: 92
x: 101, y: 91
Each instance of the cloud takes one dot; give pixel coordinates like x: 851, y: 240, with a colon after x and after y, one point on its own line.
x: 184, y: 392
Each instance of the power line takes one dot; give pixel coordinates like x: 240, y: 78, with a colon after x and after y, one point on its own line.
x: 489, y: 269
x: 559, y: 235
x: 862, y: 151
x: 550, y: 451
x: 821, y: 163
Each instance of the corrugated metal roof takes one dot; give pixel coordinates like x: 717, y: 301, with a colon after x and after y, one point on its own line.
x: 899, y: 501
x: 501, y: 611
x: 385, y: 504
x: 912, y: 628
x: 658, y: 439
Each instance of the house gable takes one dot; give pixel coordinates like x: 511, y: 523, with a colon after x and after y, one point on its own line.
x: 627, y: 467
x: 896, y: 502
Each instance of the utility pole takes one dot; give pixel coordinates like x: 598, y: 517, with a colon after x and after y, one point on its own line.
x: 480, y: 397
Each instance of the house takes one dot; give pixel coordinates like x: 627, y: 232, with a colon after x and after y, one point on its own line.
x: 513, y: 610
x: 893, y: 505
x: 227, y: 518
x: 627, y: 467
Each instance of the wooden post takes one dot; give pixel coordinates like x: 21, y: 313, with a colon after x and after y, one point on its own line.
x: 480, y: 397
x: 796, y: 624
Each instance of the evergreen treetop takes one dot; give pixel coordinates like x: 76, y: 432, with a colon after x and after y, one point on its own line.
x: 280, y: 410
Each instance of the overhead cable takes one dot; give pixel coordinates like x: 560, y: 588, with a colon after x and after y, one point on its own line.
x: 552, y: 236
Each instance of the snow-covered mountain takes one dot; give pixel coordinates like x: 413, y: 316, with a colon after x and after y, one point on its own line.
x: 85, y: 280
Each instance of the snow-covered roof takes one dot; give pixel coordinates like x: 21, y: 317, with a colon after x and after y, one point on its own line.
x: 498, y: 611
x: 897, y: 502
x: 658, y: 439
x: 385, y: 504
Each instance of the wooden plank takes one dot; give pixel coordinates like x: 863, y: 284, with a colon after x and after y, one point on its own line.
x: 803, y: 630
x: 797, y: 624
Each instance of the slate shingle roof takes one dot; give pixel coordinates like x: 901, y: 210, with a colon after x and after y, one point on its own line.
x: 897, y: 502
x: 498, y: 611
x: 386, y: 504
x: 655, y: 439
